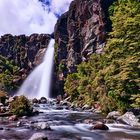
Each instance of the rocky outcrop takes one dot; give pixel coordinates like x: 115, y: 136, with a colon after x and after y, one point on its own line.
x: 22, y: 50
x: 78, y: 33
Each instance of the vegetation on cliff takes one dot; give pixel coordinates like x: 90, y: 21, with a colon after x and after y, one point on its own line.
x: 112, y: 78
x: 8, y: 72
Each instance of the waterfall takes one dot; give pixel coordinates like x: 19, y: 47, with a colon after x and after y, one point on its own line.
x: 38, y: 83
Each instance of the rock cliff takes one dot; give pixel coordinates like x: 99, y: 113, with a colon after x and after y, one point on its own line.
x: 78, y: 33
x: 23, y: 50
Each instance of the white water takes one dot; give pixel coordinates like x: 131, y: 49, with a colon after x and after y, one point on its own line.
x: 38, y: 82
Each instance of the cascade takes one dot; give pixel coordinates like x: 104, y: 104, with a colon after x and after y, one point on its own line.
x: 38, y: 83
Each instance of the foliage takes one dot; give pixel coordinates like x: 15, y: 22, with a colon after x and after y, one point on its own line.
x: 21, y: 106
x: 136, y: 100
x: 7, y: 74
x: 55, y: 52
x: 114, y: 76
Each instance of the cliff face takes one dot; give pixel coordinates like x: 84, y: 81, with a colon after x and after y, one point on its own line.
x: 23, y: 50
x: 78, y: 33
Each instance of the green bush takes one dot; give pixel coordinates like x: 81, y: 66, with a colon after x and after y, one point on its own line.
x: 7, y: 74
x: 21, y: 106
x: 135, y: 100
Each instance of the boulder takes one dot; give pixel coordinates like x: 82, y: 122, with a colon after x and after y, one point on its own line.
x: 43, y: 100
x: 19, y: 124
x: 100, y: 126
x: 41, y: 126
x: 35, y: 101
x: 113, y: 115
x: 13, y: 118
x: 130, y: 119
x: 39, y: 136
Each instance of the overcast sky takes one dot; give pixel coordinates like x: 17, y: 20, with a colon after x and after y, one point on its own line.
x: 30, y: 16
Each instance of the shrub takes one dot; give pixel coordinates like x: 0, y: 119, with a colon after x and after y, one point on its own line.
x: 21, y: 106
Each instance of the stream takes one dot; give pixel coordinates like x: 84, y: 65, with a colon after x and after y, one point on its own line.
x: 64, y: 124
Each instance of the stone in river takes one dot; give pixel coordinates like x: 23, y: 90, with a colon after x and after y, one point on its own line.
x: 39, y: 136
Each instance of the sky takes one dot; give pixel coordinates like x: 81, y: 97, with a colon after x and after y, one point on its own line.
x: 30, y: 16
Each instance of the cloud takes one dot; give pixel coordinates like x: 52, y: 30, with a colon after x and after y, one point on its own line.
x: 30, y: 16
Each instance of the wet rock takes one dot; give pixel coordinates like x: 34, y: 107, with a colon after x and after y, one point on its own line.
x: 113, y: 115
x: 5, y: 114
x: 100, y: 126
x: 65, y: 97
x: 19, y: 123
x: 24, y: 117
x: 39, y: 136
x: 35, y: 112
x: 35, y: 101
x: 136, y: 111
x: 43, y: 100
x: 13, y: 118
x: 1, y: 128
x: 86, y: 107
x: 65, y: 103
x: 130, y: 119
x: 59, y: 107
x: 1, y: 104
x: 58, y: 99
x: 41, y: 126
x: 88, y: 121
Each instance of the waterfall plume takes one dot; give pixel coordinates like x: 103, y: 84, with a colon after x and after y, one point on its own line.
x: 38, y: 83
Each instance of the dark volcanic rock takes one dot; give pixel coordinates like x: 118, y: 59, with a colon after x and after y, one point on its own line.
x: 100, y: 126
x: 78, y: 33
x: 22, y: 50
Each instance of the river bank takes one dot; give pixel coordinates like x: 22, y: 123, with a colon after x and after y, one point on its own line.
x: 59, y: 122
